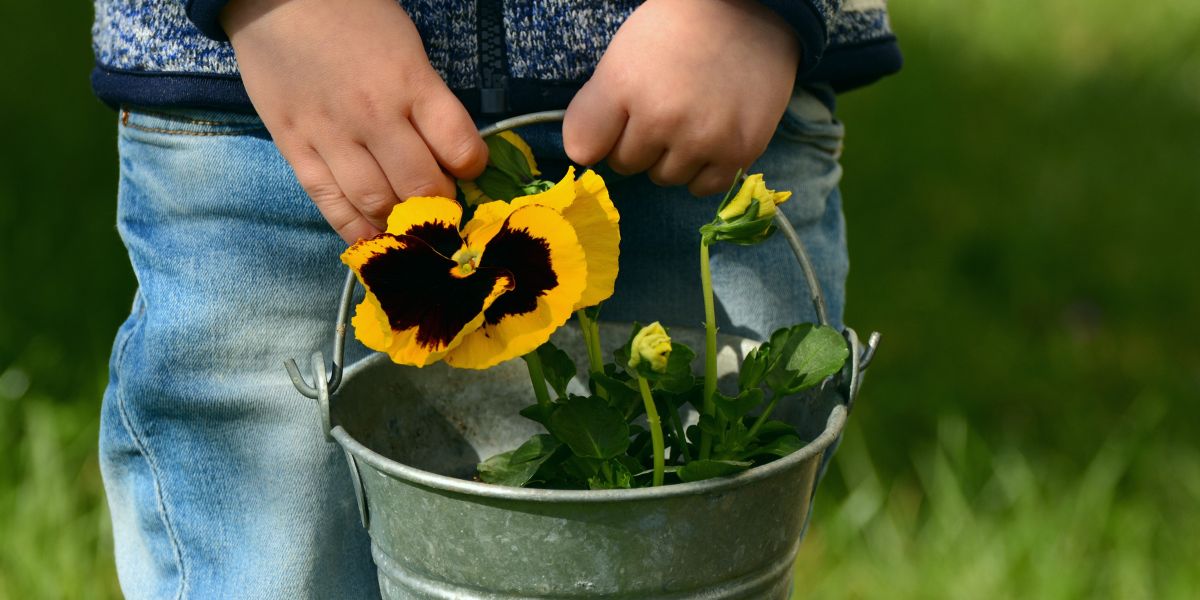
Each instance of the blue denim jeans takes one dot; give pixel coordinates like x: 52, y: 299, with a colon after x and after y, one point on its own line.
x: 219, y: 480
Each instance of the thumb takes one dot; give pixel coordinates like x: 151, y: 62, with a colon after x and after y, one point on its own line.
x: 592, y: 125
x: 443, y: 122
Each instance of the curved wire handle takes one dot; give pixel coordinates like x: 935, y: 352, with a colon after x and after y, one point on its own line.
x: 323, y: 388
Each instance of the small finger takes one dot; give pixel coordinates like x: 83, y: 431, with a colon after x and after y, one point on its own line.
x: 442, y: 121
x: 674, y: 167
x: 318, y: 182
x: 635, y: 150
x: 592, y: 125
x: 361, y: 180
x: 712, y: 179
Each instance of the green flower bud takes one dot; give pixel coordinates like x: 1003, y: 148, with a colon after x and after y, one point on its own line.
x: 748, y: 216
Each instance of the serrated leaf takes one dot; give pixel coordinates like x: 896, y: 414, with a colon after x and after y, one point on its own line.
x: 803, y: 356
x: 516, y: 467
x: 698, y: 470
x: 612, y: 475
x: 754, y: 367
x: 737, y: 407
x: 590, y: 427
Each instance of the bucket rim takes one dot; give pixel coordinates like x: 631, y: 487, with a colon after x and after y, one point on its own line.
x: 834, y: 425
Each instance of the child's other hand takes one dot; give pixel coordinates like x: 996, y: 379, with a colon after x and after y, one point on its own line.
x: 690, y: 90
x: 347, y: 92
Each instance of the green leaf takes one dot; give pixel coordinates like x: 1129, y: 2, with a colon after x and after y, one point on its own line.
x: 498, y: 185
x: 557, y: 366
x: 538, y: 413
x: 509, y: 159
x: 773, y: 429
x: 780, y: 446
x: 516, y: 467
x: 707, y: 469
x: 612, y: 475
x: 622, y: 395
x: 709, y: 425
x: 590, y: 427
x: 736, y: 408
x: 754, y: 367
x: 678, y: 377
x: 804, y: 355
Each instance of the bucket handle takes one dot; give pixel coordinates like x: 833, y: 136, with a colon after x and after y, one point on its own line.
x: 324, y: 388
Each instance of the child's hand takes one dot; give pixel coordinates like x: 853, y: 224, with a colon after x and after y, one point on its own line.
x: 691, y: 90
x: 347, y: 92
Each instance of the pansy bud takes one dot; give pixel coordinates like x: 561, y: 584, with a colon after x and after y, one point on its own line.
x: 748, y: 216
x: 653, y: 345
x: 753, y: 188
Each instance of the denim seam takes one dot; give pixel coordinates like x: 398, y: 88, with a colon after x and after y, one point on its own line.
x: 144, y: 450
x: 236, y: 128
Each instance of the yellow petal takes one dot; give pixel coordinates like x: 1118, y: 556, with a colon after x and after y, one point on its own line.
x: 421, y: 210
x: 597, y: 223
x: 472, y: 192
x: 740, y: 202
x: 486, y: 215
x: 511, y: 328
x: 514, y: 139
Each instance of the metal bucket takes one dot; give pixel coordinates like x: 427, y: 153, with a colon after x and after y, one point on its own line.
x: 413, y: 438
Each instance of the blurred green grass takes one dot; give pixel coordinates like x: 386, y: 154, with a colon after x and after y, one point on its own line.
x: 1022, y: 203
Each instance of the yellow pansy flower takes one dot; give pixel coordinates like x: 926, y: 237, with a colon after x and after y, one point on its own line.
x: 473, y: 298
x: 586, y: 204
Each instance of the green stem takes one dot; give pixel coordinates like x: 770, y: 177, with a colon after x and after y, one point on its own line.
x: 591, y: 338
x: 538, y: 378
x: 656, y: 435
x: 763, y: 417
x: 710, y: 347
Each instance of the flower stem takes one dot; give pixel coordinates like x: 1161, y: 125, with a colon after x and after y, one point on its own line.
x: 710, y: 347
x: 656, y: 435
x: 591, y: 338
x: 763, y: 417
x: 538, y: 378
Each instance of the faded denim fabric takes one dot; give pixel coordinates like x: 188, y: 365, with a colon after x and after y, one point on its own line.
x: 219, y: 480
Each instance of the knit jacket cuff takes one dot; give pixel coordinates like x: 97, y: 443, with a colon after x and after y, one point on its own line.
x: 206, y: 15
x: 810, y: 28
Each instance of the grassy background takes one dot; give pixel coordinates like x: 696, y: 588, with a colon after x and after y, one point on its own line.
x: 1023, y: 204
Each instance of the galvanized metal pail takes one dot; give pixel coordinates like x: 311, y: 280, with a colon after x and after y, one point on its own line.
x: 413, y: 438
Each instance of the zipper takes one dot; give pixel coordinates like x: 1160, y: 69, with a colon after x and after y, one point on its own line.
x: 493, y: 57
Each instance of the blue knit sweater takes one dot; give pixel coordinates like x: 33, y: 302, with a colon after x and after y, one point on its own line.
x: 173, y: 53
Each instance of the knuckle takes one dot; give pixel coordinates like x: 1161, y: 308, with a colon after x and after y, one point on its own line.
x: 465, y: 153
x: 427, y: 188
x: 375, y: 203
x: 322, y: 192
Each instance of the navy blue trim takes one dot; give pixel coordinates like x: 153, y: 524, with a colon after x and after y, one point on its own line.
x: 206, y: 15
x: 854, y: 66
x: 170, y: 90
x: 810, y: 27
